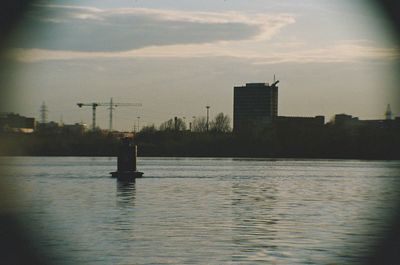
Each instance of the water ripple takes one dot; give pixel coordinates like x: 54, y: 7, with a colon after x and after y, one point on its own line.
x: 205, y: 211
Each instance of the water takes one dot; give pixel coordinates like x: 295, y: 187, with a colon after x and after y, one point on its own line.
x: 205, y: 210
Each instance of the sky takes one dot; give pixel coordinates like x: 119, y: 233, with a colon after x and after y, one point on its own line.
x: 176, y: 57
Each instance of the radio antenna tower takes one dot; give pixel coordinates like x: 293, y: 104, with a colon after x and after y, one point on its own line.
x: 43, y: 112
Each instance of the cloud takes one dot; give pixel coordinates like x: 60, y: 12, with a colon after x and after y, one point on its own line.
x: 76, y: 32
x: 342, y: 52
x: 77, y: 28
x: 348, y: 51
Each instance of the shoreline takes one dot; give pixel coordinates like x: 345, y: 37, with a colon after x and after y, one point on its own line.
x: 219, y: 157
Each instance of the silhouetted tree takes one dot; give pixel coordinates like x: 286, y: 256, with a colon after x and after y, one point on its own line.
x: 200, y: 124
x: 167, y: 125
x: 148, y: 129
x: 176, y: 124
x: 221, y: 123
x: 180, y: 124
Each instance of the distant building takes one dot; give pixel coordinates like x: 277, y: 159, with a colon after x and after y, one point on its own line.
x: 77, y: 128
x: 121, y: 135
x: 348, y: 122
x: 255, y: 105
x: 345, y: 120
x: 48, y: 127
x: 10, y: 122
x: 299, y: 122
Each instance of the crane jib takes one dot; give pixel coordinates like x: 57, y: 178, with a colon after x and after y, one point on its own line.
x: 111, y: 106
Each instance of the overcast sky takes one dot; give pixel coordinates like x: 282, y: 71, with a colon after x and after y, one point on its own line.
x: 176, y: 57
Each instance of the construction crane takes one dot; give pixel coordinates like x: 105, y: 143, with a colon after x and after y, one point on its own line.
x: 111, y: 106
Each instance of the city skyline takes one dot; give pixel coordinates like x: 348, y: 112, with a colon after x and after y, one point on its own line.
x: 177, y: 57
x: 388, y: 115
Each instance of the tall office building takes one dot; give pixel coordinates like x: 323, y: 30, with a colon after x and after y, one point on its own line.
x: 254, y: 105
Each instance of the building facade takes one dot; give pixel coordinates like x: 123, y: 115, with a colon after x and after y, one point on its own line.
x: 255, y: 105
x: 10, y: 122
x: 299, y: 122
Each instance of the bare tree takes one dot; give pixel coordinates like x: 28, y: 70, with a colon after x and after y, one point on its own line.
x: 200, y: 124
x: 221, y: 123
x: 176, y: 124
x: 167, y: 125
x: 180, y: 124
x: 148, y: 129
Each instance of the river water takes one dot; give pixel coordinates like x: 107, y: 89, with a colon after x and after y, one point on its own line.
x: 205, y: 210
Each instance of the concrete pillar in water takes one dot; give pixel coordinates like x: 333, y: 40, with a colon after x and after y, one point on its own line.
x: 126, y: 162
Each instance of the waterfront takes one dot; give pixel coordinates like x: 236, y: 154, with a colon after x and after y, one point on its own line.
x: 205, y: 210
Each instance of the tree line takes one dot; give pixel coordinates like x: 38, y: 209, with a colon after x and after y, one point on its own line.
x: 220, y: 123
x: 173, y: 138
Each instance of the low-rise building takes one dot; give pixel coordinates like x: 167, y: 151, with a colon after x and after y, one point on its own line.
x: 77, y: 128
x: 10, y: 122
x: 299, y: 122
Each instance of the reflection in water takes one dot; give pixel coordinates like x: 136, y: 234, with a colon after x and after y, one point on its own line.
x: 126, y: 192
x: 254, y: 221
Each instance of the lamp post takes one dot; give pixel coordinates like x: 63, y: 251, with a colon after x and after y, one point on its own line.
x: 184, y: 121
x: 208, y: 109
x: 191, y: 124
x: 138, y: 128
